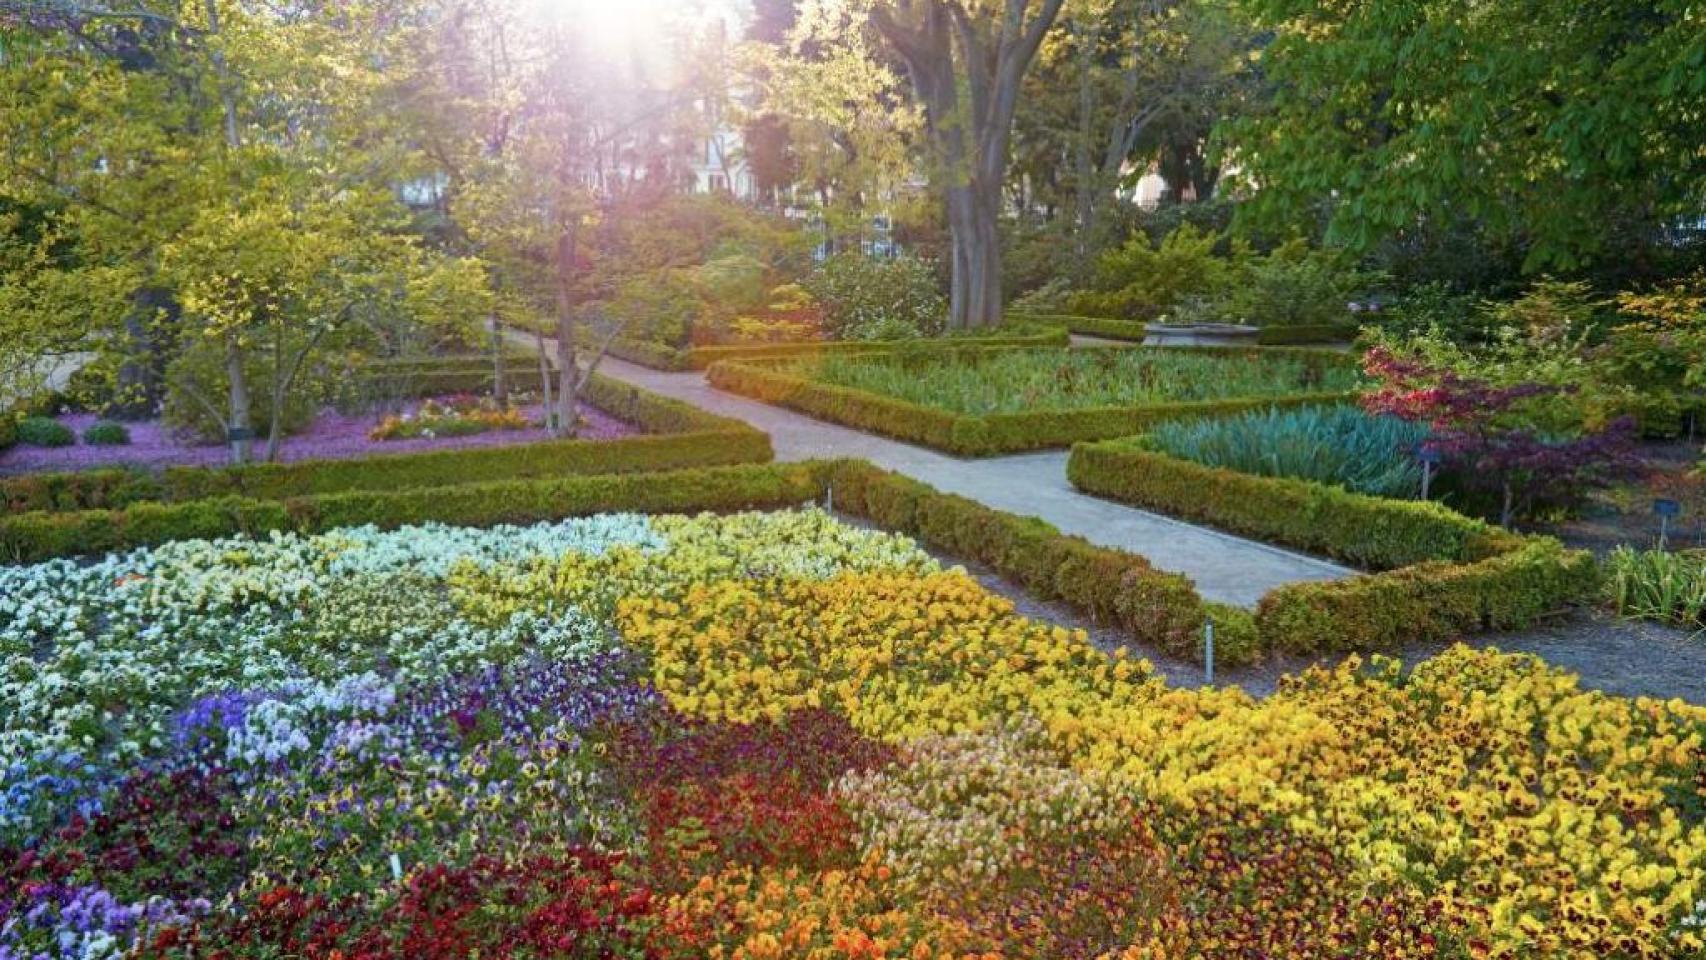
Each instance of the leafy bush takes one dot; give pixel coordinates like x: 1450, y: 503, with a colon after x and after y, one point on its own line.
x: 1142, y: 280
x: 1496, y: 438
x: 869, y: 299
x: 1292, y: 286
x: 1436, y: 309
x: 1340, y: 446
x: 657, y: 307
x: 1658, y: 585
x: 1051, y: 299
x: 45, y: 432
x: 732, y: 284
x: 107, y: 433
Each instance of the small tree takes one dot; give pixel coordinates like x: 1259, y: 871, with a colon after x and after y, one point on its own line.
x: 1486, y: 436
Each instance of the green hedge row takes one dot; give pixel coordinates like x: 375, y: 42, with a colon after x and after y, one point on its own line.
x: 1445, y: 574
x: 1429, y: 602
x: 1109, y: 586
x: 1365, y: 531
x: 1105, y: 327
x: 660, y: 356
x: 680, y: 436
x: 965, y: 435
x: 700, y: 358
x: 31, y: 537
x: 1308, y: 333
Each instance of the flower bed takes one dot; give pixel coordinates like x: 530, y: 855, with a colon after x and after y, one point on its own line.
x: 331, y: 436
x: 977, y: 402
x: 678, y: 435
x: 768, y: 736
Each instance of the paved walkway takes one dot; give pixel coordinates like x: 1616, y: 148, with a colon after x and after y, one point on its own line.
x: 1226, y: 568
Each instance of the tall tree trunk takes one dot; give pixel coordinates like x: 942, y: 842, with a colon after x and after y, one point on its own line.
x: 239, y: 428
x: 568, y: 369
x: 500, y: 378
x: 1084, y: 168
x: 966, y: 67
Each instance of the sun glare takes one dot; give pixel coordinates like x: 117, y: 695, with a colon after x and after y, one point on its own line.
x: 624, y: 25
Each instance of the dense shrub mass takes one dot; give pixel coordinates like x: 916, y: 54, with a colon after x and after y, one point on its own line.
x: 44, y: 432
x: 1341, y: 446
x: 106, y: 433
x: 865, y: 298
x: 1013, y: 381
x: 770, y: 736
x: 1444, y: 574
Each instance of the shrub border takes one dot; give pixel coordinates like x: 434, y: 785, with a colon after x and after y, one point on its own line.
x: 682, y: 436
x: 658, y: 356
x: 1441, y: 574
x: 1307, y: 333
x: 1105, y: 327
x: 974, y: 436
x: 1106, y: 585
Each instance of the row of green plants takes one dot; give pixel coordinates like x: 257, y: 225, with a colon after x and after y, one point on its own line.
x: 964, y: 434
x: 657, y: 356
x: 1195, y: 275
x: 1661, y: 585
x: 678, y: 435
x: 1476, y: 576
x: 39, y: 535
x: 985, y: 382
x: 1439, y: 573
x: 1104, y: 327
x: 1338, y: 445
x: 1109, y: 585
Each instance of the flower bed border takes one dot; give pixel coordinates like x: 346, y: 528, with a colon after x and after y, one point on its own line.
x: 1108, y: 585
x: 1442, y: 574
x: 659, y: 356
x: 977, y: 436
x: 1307, y: 333
x: 1105, y: 327
x: 681, y: 436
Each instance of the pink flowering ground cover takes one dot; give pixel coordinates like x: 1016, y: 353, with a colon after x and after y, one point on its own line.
x: 333, y: 436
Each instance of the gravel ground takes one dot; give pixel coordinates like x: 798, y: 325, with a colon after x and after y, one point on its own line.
x: 1628, y: 658
x: 331, y: 436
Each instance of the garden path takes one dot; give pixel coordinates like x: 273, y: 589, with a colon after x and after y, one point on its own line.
x: 1227, y: 569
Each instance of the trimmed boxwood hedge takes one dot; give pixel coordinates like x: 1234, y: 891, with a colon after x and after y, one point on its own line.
x: 1308, y: 333
x: 1109, y: 586
x: 964, y: 434
x: 682, y: 436
x: 1105, y: 327
x: 1444, y: 574
x: 1365, y: 531
x: 660, y: 356
x: 31, y: 537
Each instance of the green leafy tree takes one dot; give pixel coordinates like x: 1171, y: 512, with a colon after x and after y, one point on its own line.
x: 237, y: 156
x: 1565, y: 129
